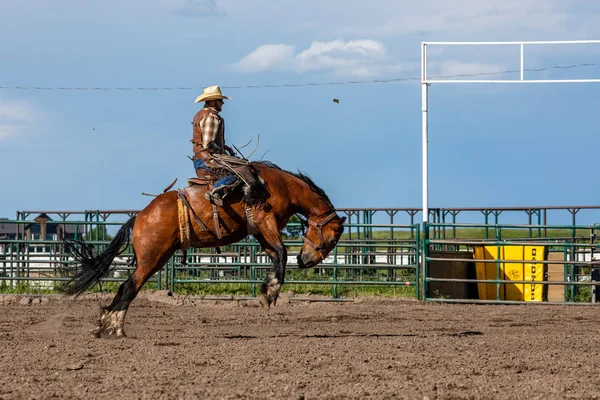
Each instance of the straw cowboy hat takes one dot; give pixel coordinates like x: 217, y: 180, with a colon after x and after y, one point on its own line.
x: 211, y: 93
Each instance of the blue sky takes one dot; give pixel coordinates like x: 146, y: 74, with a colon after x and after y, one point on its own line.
x: 506, y: 145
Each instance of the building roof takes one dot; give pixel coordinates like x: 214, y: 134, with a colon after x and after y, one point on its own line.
x: 11, y: 228
x: 5, y: 228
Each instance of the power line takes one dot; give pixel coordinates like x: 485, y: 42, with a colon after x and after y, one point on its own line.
x: 291, y: 85
x: 514, y: 71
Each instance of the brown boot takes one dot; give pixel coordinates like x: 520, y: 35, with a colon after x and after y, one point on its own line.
x: 203, y: 173
x: 215, y: 196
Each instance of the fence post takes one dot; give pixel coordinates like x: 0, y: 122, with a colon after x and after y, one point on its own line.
x: 253, y: 262
x: 174, y: 272
x: 418, y: 264
x: 335, y: 286
x: 424, y: 255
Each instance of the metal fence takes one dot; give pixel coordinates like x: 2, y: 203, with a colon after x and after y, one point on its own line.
x: 382, y: 250
x: 369, y: 255
x: 569, y: 267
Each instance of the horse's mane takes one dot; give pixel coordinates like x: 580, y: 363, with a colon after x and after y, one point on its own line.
x: 304, y: 178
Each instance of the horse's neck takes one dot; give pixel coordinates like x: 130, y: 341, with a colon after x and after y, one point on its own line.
x: 308, y: 202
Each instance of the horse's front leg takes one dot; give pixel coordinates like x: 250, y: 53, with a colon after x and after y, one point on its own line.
x: 275, y: 249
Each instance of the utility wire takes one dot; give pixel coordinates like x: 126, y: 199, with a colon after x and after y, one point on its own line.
x: 292, y: 85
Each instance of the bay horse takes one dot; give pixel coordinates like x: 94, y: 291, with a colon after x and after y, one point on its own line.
x: 155, y: 236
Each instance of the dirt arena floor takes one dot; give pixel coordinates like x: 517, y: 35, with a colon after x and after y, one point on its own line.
x: 182, y: 348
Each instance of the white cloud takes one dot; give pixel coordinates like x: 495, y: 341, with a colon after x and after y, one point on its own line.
x: 369, y: 58
x: 353, y: 58
x: 358, y: 47
x: 266, y: 57
x: 15, y: 117
x: 338, y: 54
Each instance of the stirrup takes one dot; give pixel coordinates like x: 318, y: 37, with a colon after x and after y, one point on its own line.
x: 214, y: 198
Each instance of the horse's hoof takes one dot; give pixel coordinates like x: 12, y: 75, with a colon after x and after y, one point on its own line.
x: 273, y: 294
x: 96, y: 332
x: 265, y: 302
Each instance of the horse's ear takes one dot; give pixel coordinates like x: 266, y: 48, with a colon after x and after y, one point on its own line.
x: 342, y: 220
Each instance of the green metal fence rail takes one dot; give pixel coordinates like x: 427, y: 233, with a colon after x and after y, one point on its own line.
x: 42, y: 265
x: 536, y: 216
x: 374, y: 262
x: 383, y: 249
x: 369, y: 255
x: 531, y: 215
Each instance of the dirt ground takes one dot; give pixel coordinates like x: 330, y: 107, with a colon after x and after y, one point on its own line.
x: 182, y: 348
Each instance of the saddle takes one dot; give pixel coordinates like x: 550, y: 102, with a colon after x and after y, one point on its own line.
x: 185, y: 212
x: 222, y: 165
x: 212, y: 178
x: 254, y: 194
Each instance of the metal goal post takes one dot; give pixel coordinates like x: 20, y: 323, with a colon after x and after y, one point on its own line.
x: 426, y: 82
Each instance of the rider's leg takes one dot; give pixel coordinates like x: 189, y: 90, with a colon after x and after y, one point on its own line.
x: 202, y: 173
x: 201, y: 168
x: 218, y: 192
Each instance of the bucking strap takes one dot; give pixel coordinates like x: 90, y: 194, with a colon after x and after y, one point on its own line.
x: 184, y: 225
x: 215, y: 214
x: 182, y: 198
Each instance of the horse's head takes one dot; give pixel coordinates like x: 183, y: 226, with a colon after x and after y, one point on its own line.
x: 321, y: 237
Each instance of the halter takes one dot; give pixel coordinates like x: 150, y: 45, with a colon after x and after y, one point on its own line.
x: 319, y: 225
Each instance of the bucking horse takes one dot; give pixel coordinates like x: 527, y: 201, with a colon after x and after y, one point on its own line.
x: 179, y: 219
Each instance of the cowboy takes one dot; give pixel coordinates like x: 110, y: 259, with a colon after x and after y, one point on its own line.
x: 209, y: 140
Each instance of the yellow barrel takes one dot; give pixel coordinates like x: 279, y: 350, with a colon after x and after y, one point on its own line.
x: 527, y: 270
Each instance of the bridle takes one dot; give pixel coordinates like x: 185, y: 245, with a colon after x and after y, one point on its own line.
x: 319, y: 226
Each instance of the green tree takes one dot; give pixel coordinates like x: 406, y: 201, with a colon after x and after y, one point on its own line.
x: 98, y: 232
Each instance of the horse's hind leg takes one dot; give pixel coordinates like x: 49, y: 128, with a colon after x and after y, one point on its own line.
x: 112, y: 318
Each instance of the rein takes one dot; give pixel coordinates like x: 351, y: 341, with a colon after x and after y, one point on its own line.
x: 319, y: 226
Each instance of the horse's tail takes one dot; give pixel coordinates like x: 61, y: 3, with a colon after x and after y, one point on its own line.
x: 92, y: 268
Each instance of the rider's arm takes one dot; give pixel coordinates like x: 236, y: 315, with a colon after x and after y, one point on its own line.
x: 229, y: 150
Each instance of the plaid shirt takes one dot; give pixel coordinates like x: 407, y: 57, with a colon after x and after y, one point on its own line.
x: 208, y: 127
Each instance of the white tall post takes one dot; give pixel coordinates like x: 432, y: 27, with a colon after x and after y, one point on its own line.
x: 425, y: 143
x: 425, y: 82
x: 522, y: 62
